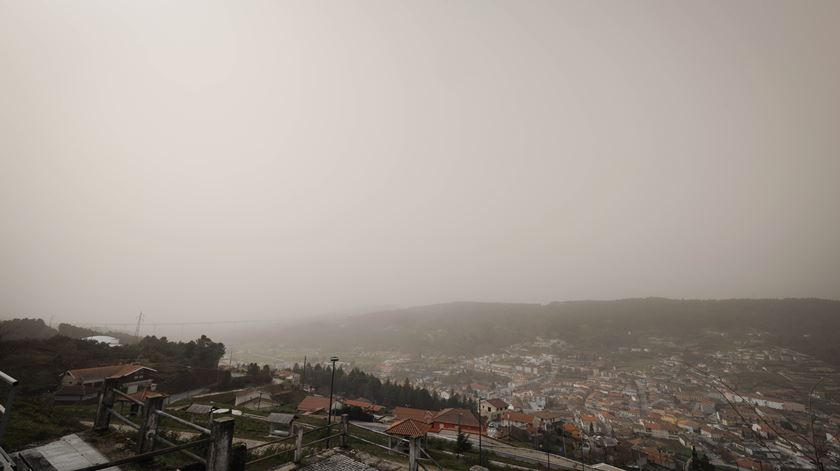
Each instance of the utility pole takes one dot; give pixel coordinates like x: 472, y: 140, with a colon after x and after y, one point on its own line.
x: 137, y: 329
x: 547, y: 455
x: 811, y: 416
x: 458, y: 445
x: 303, y: 376
x: 478, y: 405
x: 563, y: 436
x: 333, y: 359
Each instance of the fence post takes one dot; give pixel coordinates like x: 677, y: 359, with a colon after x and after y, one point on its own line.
x: 240, y: 453
x: 299, y: 444
x: 220, y: 456
x: 10, y: 399
x: 342, y: 440
x: 106, y: 402
x: 412, y: 454
x: 149, y: 424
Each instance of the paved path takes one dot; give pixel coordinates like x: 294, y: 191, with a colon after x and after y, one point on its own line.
x: 527, y: 455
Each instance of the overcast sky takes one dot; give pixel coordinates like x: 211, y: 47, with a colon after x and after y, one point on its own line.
x: 256, y: 160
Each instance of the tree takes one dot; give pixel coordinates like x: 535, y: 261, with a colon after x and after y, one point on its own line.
x: 701, y: 463
x: 462, y: 443
x: 356, y: 413
x: 548, y: 440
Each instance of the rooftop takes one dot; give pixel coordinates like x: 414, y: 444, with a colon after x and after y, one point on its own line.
x: 338, y: 462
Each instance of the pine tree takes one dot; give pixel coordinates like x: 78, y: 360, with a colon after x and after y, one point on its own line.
x: 462, y: 443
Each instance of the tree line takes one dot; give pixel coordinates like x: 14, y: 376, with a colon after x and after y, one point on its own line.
x: 358, y: 384
x: 36, y: 328
x: 39, y: 363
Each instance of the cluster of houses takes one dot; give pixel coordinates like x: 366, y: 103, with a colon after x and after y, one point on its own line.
x: 449, y: 419
x: 658, y: 411
x: 645, y: 400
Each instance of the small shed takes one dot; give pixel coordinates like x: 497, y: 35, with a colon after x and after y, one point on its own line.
x: 256, y: 400
x: 280, y: 425
x: 200, y: 410
x: 408, y: 429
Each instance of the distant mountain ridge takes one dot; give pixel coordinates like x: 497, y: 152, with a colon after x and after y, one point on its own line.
x: 809, y: 325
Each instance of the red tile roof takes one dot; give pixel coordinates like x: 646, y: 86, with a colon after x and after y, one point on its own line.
x: 416, y: 414
x: 100, y: 373
x: 409, y: 428
x: 548, y: 414
x: 498, y: 403
x: 142, y: 395
x: 314, y: 404
x: 569, y: 427
x: 451, y: 416
x: 520, y: 417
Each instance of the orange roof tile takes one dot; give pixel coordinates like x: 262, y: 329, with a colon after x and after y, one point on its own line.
x: 409, y: 428
x: 453, y: 416
x: 416, y: 414
x: 514, y: 416
x: 100, y: 373
x: 314, y: 404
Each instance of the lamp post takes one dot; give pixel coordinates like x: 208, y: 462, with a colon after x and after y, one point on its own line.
x: 333, y: 359
x: 547, y: 455
x: 548, y: 458
x: 478, y: 405
x: 458, y: 437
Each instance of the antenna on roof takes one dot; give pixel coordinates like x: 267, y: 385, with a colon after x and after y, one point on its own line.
x: 137, y: 329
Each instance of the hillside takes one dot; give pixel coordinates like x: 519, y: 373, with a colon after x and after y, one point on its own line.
x: 37, y: 329
x: 808, y: 325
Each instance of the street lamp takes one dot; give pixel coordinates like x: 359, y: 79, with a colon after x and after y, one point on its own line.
x: 478, y: 405
x: 333, y: 359
x: 458, y: 443
x: 547, y: 456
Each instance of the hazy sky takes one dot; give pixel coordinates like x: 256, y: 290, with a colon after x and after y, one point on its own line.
x: 250, y: 160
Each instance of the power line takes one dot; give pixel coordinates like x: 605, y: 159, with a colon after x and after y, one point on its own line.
x: 137, y: 330
x: 123, y: 324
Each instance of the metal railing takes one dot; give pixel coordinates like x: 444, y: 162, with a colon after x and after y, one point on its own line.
x: 6, y: 407
x: 147, y: 455
x: 300, y: 447
x: 221, y: 454
x: 416, y: 453
x: 198, y: 428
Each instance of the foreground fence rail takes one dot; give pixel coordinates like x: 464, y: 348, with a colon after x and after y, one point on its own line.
x: 5, y: 410
x: 147, y: 455
x: 300, y: 447
x: 416, y: 453
x: 6, y: 407
x: 221, y: 455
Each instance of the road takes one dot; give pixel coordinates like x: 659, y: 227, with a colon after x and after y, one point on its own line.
x: 527, y: 455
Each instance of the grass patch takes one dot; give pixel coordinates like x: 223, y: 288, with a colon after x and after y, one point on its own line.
x: 31, y: 423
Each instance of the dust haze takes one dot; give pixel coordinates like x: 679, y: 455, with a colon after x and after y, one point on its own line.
x: 277, y: 160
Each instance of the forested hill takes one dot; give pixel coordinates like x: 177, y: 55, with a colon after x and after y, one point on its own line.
x: 37, y: 329
x: 808, y: 325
